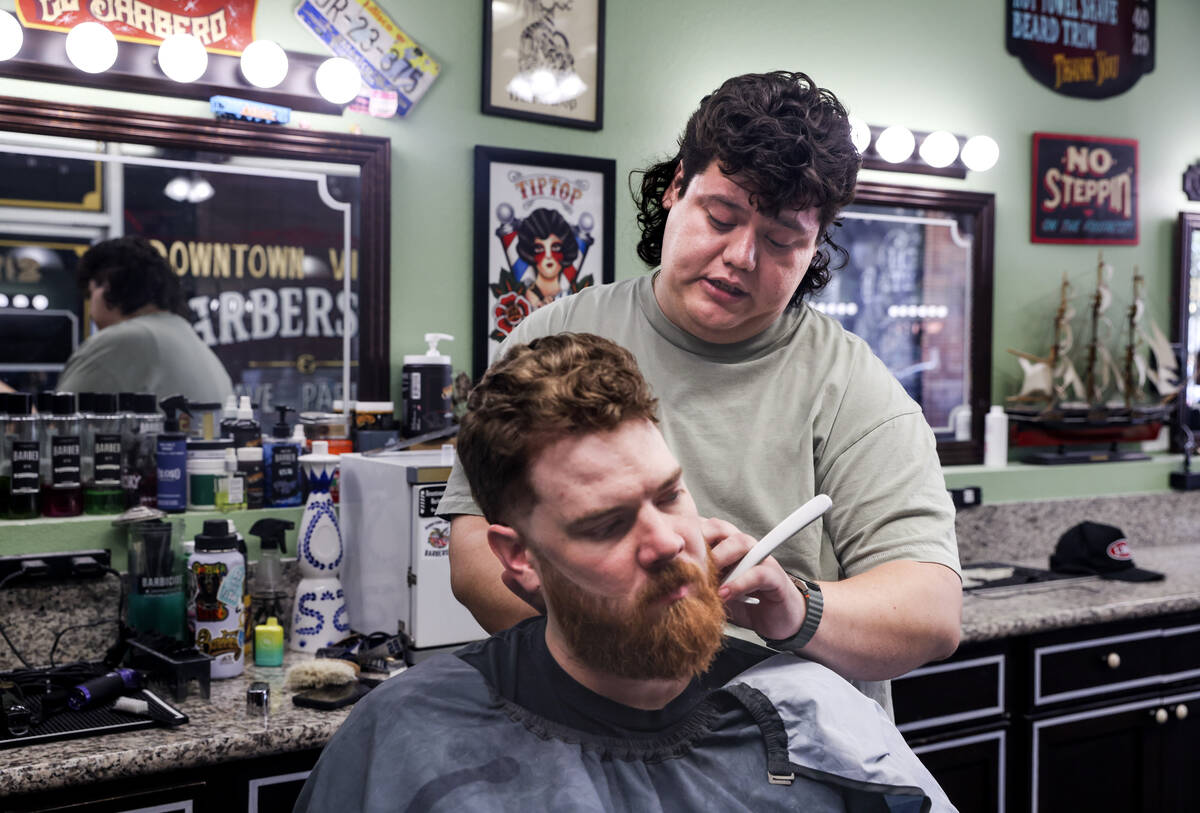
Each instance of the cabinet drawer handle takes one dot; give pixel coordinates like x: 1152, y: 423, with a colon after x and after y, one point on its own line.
x: 1113, y: 660
x: 1160, y: 716
x: 1181, y: 712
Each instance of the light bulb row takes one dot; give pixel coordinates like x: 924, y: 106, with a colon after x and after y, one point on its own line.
x: 39, y: 302
x: 938, y: 149
x: 92, y: 48
x: 918, y: 311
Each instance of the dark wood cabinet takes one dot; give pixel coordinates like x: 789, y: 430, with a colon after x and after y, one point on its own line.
x: 1101, y: 717
x: 262, y: 785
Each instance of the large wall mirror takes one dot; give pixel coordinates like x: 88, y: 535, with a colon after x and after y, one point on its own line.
x: 1187, y: 312
x: 917, y: 287
x: 278, y: 235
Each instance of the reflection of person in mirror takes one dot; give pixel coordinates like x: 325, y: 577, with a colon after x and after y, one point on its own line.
x: 143, y: 344
x: 546, y: 243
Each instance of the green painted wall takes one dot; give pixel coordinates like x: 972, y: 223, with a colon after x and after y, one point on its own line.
x: 928, y: 64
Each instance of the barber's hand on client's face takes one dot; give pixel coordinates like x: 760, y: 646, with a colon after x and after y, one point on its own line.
x: 534, y: 599
x: 780, y: 609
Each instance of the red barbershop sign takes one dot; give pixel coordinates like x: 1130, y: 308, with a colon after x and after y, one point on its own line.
x: 223, y: 26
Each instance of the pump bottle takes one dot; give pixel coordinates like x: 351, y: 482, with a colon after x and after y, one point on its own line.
x: 426, y: 386
x: 281, y: 464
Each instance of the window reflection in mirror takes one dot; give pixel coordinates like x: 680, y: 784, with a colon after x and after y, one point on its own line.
x: 259, y: 246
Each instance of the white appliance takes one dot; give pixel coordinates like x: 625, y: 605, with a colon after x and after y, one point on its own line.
x: 397, y: 556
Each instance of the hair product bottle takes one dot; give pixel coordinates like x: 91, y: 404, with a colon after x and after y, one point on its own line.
x: 156, y: 578
x: 142, y: 428
x: 246, y: 430
x: 170, y: 451
x: 281, y: 464
x: 22, y: 456
x: 250, y: 467
x: 62, y: 489
x: 216, y: 582
x: 102, y: 461
x: 426, y: 387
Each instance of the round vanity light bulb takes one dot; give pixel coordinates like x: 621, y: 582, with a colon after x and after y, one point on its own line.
x: 201, y: 191
x: 571, y: 87
x: 939, y: 149
x: 40, y: 302
x: 178, y: 188
x: 91, y: 47
x: 980, y: 153
x: 860, y: 134
x: 11, y: 36
x: 264, y: 64
x: 895, y: 144
x: 182, y: 57
x: 338, y: 80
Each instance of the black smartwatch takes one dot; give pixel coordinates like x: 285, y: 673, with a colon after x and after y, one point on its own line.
x: 814, y: 604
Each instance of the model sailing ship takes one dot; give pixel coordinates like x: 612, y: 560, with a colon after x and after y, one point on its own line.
x: 1110, y: 402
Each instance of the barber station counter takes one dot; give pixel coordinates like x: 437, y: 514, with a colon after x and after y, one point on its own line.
x: 221, y: 731
x: 1010, y: 612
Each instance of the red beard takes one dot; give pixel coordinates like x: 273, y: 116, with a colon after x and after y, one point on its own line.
x: 641, y: 641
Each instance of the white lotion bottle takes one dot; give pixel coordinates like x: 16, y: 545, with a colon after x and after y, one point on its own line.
x: 995, y: 437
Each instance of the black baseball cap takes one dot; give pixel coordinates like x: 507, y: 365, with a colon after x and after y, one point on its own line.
x: 1094, y: 548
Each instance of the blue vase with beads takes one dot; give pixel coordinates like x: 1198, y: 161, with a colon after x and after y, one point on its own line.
x: 319, y: 611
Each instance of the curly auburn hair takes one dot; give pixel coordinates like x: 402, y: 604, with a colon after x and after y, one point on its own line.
x: 788, y: 143
x: 555, y: 386
x: 135, y: 274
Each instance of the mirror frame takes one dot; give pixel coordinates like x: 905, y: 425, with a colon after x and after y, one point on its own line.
x: 982, y: 205
x: 371, y: 154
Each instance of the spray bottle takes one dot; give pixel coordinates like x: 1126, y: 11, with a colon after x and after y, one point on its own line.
x: 268, y: 596
x: 426, y: 387
x: 171, y: 454
x: 246, y: 430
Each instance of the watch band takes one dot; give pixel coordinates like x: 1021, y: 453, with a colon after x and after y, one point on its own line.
x: 814, y: 605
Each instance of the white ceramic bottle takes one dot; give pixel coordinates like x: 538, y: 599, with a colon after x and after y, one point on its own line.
x: 995, y: 437
x: 319, y: 611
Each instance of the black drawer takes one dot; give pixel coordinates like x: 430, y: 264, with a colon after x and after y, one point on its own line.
x: 949, y: 693
x: 1181, y: 653
x: 1097, y: 666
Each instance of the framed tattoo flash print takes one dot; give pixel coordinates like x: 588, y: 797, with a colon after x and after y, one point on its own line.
x: 543, y: 231
x: 543, y: 61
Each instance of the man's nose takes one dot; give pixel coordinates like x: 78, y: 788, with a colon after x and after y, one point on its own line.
x: 741, y: 249
x: 659, y: 540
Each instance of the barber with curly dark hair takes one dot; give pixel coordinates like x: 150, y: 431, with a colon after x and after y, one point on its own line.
x: 764, y: 400
x: 143, y: 345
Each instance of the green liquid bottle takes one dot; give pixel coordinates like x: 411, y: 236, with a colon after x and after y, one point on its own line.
x: 102, y: 459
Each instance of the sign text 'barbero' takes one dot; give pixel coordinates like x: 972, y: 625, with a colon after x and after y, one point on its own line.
x: 1084, y: 189
x: 223, y: 26
x: 1084, y: 48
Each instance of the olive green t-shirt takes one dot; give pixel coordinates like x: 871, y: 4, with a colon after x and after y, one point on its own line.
x: 157, y: 352
x: 762, y: 425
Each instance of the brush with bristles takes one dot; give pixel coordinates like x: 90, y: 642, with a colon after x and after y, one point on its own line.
x: 319, y: 673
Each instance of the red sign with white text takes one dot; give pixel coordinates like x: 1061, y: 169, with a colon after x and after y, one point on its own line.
x: 223, y: 26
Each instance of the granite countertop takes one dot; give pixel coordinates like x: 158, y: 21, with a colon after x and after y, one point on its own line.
x: 220, y: 729
x: 1089, y: 600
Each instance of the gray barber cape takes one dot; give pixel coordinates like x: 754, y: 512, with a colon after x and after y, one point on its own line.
x: 785, y: 734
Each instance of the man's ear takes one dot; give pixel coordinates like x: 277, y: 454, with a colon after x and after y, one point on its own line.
x: 671, y: 195
x: 512, y: 551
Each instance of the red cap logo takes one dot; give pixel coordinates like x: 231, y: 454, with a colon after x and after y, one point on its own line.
x: 1119, y: 550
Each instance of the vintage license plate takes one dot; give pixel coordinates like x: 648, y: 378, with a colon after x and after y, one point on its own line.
x: 387, y: 58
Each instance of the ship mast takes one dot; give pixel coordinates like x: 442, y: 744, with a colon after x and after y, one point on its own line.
x: 1091, y: 384
x: 1130, y: 374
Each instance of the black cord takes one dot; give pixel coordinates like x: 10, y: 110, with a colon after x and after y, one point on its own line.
x: 120, y: 617
x: 3, y: 631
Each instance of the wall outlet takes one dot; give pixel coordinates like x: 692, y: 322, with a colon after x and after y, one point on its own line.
x: 75, y: 564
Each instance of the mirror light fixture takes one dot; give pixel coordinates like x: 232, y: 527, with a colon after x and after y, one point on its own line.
x: 980, y: 153
x: 940, y: 153
x: 192, y: 189
x: 264, y: 64
x: 91, y: 47
x: 338, y: 80
x: 11, y: 36
x: 182, y: 58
